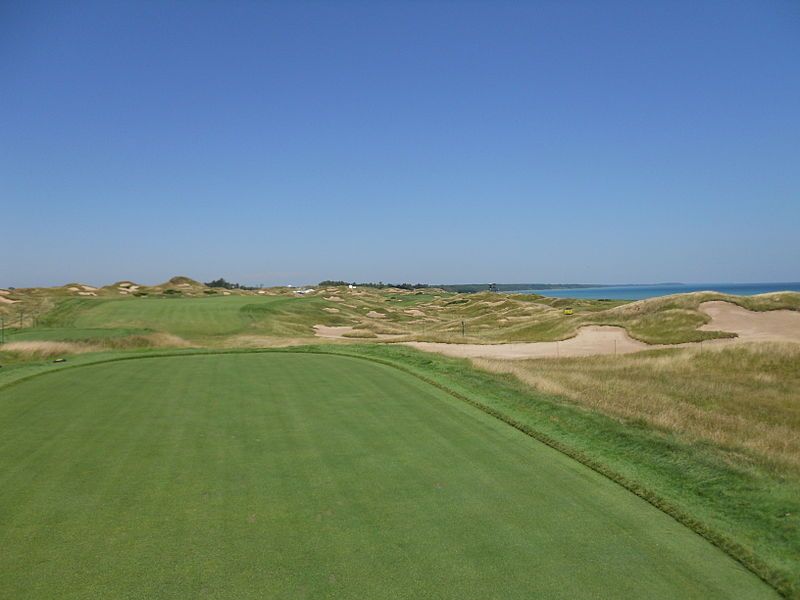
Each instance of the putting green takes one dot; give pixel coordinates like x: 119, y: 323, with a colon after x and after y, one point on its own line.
x: 281, y: 475
x: 197, y: 319
x: 220, y: 315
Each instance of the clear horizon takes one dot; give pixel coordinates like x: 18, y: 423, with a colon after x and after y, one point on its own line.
x: 287, y: 143
x: 415, y: 281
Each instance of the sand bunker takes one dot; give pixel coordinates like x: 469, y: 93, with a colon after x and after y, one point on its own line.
x: 750, y: 326
x: 770, y: 326
x: 593, y: 339
x: 331, y: 310
x: 333, y: 299
x: 332, y: 332
x: 8, y: 300
x: 352, y: 334
x: 414, y: 312
x: 376, y: 315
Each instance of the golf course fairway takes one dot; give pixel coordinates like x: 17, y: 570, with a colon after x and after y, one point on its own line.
x: 290, y: 475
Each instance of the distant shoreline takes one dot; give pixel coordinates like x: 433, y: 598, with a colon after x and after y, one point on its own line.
x: 641, y: 292
x: 666, y: 288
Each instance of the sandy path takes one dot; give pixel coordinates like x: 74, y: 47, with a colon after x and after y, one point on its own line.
x: 750, y: 326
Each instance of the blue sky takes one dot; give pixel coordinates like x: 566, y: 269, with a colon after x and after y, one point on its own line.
x: 288, y: 142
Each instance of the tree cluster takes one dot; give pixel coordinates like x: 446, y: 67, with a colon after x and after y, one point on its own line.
x: 222, y: 283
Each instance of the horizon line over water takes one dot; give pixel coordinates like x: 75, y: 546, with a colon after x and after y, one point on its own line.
x: 641, y: 292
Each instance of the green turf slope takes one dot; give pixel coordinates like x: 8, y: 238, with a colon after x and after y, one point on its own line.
x: 182, y: 316
x: 197, y: 319
x: 284, y: 475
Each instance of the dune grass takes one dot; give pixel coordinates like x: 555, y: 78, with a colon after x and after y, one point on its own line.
x: 743, y: 399
x: 299, y: 475
x: 500, y: 318
x: 437, y: 317
x: 70, y: 333
x: 675, y: 319
x: 20, y: 351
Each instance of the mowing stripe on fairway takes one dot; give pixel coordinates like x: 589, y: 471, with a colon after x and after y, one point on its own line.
x: 311, y: 475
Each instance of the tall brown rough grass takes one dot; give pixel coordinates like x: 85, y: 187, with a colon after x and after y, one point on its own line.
x: 43, y: 349
x: 745, y: 400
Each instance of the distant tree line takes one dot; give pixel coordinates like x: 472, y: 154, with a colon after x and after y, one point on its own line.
x: 222, y: 283
x: 378, y: 285
x: 468, y: 288
x: 512, y: 287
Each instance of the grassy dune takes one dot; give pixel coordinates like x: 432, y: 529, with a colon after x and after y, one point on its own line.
x: 405, y: 315
x: 483, y: 318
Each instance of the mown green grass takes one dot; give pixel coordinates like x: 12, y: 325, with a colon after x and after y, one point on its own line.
x: 197, y: 319
x: 189, y: 317
x: 745, y: 505
x: 302, y: 475
x: 186, y: 317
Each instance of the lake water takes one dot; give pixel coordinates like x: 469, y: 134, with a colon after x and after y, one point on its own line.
x: 639, y: 292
